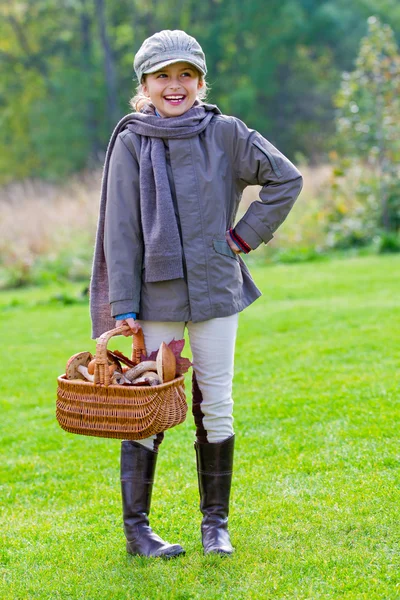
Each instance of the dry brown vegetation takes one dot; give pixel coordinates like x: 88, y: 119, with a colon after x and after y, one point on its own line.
x: 39, y: 222
x: 305, y: 226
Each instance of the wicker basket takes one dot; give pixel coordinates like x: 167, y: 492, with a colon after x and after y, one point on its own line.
x: 115, y: 411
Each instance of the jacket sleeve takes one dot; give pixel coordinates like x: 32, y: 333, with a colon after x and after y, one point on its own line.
x: 257, y: 161
x: 123, y: 242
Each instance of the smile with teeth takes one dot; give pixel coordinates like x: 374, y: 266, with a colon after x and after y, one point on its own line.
x: 175, y: 99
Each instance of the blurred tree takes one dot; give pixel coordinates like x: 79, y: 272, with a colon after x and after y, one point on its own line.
x: 277, y: 65
x: 47, y: 88
x: 87, y: 67
x: 368, y: 120
x: 66, y: 70
x: 110, y: 74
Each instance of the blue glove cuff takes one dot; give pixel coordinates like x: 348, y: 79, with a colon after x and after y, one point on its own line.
x: 125, y: 316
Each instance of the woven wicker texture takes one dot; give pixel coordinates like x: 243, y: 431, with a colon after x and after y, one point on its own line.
x: 114, y: 411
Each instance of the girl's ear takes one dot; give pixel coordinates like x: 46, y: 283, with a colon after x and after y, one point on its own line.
x: 200, y: 84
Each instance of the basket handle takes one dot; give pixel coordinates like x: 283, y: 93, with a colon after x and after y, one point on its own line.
x: 101, y: 370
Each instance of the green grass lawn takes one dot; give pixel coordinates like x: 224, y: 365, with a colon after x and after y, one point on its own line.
x: 315, y: 503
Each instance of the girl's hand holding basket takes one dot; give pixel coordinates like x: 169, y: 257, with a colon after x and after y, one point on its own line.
x: 131, y: 323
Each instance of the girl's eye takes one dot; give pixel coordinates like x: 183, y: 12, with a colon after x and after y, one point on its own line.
x: 184, y: 74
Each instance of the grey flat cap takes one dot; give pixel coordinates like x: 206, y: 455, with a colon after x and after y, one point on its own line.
x: 165, y: 48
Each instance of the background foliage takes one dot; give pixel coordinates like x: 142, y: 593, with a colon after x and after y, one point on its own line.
x: 67, y: 70
x: 369, y: 139
x: 320, y: 79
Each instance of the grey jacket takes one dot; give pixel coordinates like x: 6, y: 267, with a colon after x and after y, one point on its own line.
x: 207, y: 174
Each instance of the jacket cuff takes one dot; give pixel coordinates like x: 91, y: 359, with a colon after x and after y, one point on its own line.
x: 251, y: 236
x: 121, y: 307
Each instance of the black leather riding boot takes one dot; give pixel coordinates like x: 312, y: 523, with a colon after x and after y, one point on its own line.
x: 214, y: 470
x: 138, y: 465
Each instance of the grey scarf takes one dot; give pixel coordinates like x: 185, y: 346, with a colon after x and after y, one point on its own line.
x: 162, y: 247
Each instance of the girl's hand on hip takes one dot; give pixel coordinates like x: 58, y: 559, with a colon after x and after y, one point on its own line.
x: 231, y: 243
x: 134, y: 326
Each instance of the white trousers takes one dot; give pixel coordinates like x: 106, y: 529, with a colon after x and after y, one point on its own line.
x: 212, y: 344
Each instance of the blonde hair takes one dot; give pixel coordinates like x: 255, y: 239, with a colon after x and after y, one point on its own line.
x: 139, y: 100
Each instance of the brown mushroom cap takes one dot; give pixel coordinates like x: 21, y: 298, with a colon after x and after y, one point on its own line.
x: 77, y: 360
x: 91, y: 366
x: 112, y: 369
x: 121, y: 357
x: 113, y: 360
x: 166, y: 363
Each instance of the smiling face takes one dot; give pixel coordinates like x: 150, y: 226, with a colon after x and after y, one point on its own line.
x: 173, y: 89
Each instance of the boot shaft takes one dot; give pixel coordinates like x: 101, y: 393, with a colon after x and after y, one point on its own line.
x: 214, y: 470
x: 138, y: 465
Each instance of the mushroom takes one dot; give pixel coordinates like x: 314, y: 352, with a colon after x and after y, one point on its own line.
x: 166, y: 363
x: 113, y: 360
x: 147, y: 378
x: 84, y: 371
x: 118, y: 355
x: 146, y: 365
x: 119, y: 379
x: 77, y: 366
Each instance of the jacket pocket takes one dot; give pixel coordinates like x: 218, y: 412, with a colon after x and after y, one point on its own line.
x: 222, y: 247
x: 271, y: 159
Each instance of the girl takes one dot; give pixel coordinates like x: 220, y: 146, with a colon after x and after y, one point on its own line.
x: 167, y: 257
